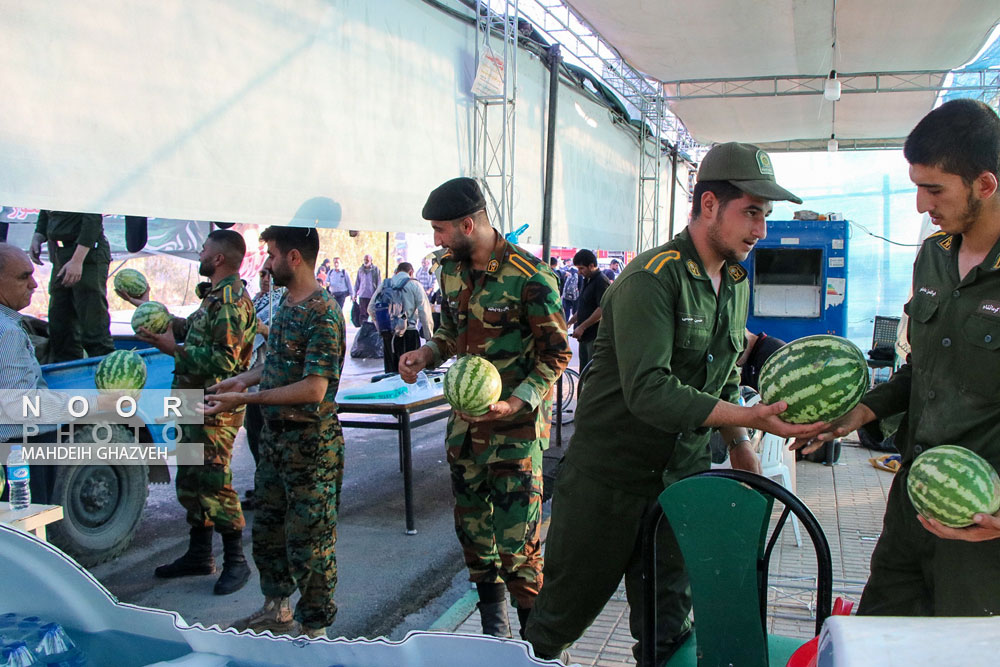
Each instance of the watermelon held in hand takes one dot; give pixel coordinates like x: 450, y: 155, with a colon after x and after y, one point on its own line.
x: 122, y: 369
x: 820, y: 377
x: 472, y: 384
x: 151, y: 315
x: 131, y: 282
x: 952, y: 484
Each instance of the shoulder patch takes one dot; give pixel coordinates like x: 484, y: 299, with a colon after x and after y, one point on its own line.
x: 737, y: 273
x: 227, y: 295
x: 657, y: 261
x: 523, y: 265
x: 945, y: 243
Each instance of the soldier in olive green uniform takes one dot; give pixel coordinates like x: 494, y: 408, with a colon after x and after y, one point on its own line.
x: 949, y: 387
x: 215, y: 343
x: 78, y: 304
x: 301, y: 466
x: 664, y: 372
x: 507, y: 310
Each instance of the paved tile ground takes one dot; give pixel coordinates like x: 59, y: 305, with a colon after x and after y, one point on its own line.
x: 848, y: 499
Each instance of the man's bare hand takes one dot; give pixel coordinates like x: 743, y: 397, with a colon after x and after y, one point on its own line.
x: 986, y: 527
x: 852, y: 421
x: 135, y: 301
x: 743, y: 457
x: 70, y: 273
x: 35, y: 250
x: 229, y: 385
x: 217, y: 403
x: 764, y: 417
x: 498, y: 410
x: 413, y: 362
x: 164, y: 342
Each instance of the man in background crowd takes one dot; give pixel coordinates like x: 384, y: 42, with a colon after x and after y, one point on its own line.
x: 588, y: 315
x: 365, y: 284
x: 339, y: 283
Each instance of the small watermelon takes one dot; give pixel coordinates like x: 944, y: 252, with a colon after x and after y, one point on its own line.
x: 952, y: 484
x: 820, y: 377
x: 131, y: 282
x: 122, y: 369
x: 152, y: 315
x: 472, y: 384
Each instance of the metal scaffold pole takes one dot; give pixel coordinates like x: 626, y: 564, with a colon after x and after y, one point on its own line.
x: 495, y: 92
x: 650, y: 163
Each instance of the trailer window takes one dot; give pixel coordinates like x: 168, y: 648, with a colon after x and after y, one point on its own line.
x: 787, y: 282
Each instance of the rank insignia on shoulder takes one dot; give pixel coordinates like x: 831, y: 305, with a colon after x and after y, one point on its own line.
x: 996, y: 264
x: 945, y: 243
x: 493, y: 265
x: 737, y: 272
x: 693, y: 268
x: 657, y: 261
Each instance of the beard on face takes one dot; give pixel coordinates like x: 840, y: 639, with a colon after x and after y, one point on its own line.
x: 205, y: 269
x: 281, y: 273
x: 461, y: 247
x: 719, y: 246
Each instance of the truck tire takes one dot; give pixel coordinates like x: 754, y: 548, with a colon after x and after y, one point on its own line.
x: 102, y: 506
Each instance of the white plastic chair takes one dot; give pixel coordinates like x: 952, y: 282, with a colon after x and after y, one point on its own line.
x: 772, y: 461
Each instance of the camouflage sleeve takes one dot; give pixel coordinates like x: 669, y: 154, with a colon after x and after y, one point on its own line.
x: 232, y: 326
x: 444, y: 344
x: 543, y: 308
x: 325, y: 347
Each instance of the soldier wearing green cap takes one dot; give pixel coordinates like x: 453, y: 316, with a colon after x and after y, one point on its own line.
x: 664, y: 373
x: 502, y: 303
x: 949, y: 388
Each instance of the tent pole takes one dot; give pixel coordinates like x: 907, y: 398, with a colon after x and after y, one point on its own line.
x: 673, y: 191
x: 554, y: 59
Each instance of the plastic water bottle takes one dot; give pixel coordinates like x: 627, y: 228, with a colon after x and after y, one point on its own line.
x: 18, y: 477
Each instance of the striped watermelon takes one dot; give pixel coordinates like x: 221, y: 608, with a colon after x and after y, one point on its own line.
x: 122, y: 369
x: 131, y: 282
x: 152, y: 315
x: 951, y: 484
x: 472, y: 384
x: 820, y: 377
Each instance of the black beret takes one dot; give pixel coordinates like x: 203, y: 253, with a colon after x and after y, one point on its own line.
x: 454, y: 199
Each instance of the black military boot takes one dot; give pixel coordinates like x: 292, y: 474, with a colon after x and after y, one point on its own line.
x: 492, y: 608
x: 197, y: 561
x: 235, y: 571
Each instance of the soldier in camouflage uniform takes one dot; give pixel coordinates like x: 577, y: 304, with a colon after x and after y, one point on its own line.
x: 214, y: 344
x: 301, y: 466
x: 502, y: 303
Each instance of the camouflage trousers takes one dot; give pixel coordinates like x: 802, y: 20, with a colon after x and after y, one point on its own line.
x: 297, y: 492
x: 206, y: 491
x: 498, y: 512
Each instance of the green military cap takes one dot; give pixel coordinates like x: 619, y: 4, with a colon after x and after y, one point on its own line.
x: 747, y: 167
x: 454, y: 199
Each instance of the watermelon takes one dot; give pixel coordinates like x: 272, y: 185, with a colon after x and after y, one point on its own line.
x: 952, y: 484
x: 820, y: 377
x: 122, y: 369
x: 152, y: 315
x: 472, y: 384
x: 131, y: 282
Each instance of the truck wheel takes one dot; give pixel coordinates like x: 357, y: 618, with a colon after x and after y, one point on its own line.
x: 102, y: 505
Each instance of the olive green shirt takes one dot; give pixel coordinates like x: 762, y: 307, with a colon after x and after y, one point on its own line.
x: 665, y: 354
x: 85, y: 229
x: 949, y: 386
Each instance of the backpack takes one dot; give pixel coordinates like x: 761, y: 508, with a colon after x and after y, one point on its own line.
x: 390, y: 313
x: 571, y: 287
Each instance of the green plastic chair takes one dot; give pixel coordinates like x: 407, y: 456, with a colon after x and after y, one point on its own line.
x: 720, y: 519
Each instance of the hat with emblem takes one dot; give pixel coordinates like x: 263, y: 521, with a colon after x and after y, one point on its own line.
x: 454, y: 199
x: 747, y: 167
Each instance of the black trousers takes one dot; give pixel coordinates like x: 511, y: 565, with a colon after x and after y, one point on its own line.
x: 396, y: 346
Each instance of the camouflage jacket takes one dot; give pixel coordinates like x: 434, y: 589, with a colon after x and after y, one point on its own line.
x: 511, y: 315
x: 218, y: 337
x: 306, y: 338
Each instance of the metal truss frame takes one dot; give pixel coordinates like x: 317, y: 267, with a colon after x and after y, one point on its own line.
x: 494, y: 139
x: 985, y: 82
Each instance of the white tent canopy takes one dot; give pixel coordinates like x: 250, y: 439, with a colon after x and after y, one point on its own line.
x: 753, y: 70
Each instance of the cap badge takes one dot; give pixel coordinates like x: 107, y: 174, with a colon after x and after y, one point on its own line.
x: 764, y: 164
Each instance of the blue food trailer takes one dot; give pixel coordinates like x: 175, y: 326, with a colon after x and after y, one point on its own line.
x: 798, y: 279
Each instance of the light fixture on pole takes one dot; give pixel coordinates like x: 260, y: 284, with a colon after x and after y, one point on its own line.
x: 831, y: 87
x: 832, y: 145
